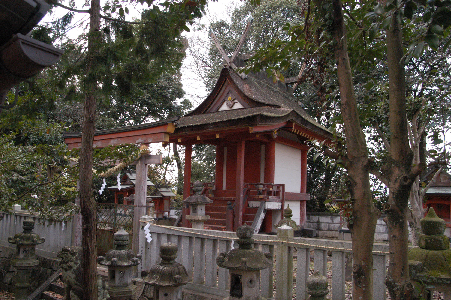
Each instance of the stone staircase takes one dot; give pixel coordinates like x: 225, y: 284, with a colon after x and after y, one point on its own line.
x: 51, y: 289
x: 54, y: 291
x: 218, y: 212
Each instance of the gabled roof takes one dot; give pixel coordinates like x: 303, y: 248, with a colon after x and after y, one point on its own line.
x: 260, y: 99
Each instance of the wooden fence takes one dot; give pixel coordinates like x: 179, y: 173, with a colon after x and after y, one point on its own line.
x: 198, y: 250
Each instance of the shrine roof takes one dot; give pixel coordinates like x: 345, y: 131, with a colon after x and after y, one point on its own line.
x: 444, y: 190
x: 264, y: 98
x: 226, y: 115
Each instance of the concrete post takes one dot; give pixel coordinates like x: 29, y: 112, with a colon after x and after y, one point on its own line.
x: 284, y: 264
x: 140, y: 198
x: 229, y: 217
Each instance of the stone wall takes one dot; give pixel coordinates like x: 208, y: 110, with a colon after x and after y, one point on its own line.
x: 328, y: 226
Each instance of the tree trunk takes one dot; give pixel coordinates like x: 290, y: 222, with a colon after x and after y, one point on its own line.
x: 399, y: 168
x: 364, y: 215
x: 87, y: 203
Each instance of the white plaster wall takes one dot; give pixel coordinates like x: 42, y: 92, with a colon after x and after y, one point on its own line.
x: 288, y: 168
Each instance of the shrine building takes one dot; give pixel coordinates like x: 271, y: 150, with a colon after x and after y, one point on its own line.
x: 261, y: 135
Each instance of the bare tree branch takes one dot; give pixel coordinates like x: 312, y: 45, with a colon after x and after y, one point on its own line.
x: 382, y: 136
x: 423, y: 191
x: 86, y: 11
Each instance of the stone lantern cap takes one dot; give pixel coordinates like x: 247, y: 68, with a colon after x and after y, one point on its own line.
x: 287, y: 214
x: 317, y: 286
x: 121, y: 256
x: 197, y: 200
x: 27, y: 237
x: 168, y: 272
x: 245, y: 258
x: 430, y: 262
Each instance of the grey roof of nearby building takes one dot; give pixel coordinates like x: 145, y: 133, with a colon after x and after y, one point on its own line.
x: 167, y: 192
x: 439, y: 190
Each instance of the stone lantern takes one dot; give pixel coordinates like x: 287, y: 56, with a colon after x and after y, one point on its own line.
x: 287, y: 214
x: 166, y: 277
x: 429, y: 264
x: 197, y: 204
x: 120, y: 263
x: 244, y: 265
x: 25, y: 258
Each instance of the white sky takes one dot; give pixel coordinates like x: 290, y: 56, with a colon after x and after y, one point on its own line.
x: 193, y: 85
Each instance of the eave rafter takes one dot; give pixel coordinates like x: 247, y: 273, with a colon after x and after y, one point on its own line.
x: 307, y: 134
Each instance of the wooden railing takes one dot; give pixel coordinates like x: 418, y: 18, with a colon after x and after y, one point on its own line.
x: 198, y: 250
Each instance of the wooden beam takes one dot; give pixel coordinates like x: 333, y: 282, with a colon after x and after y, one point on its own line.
x: 239, y: 207
x: 150, y: 159
x: 117, y: 137
x: 140, y: 197
x: 243, y: 37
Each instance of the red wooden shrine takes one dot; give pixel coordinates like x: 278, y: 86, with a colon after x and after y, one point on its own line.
x: 438, y: 196
x: 261, y: 137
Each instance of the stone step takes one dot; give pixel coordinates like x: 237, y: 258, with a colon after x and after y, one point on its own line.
x: 218, y: 222
x: 215, y: 227
x: 49, y: 295
x: 57, y: 287
x: 249, y: 217
x: 216, y: 215
x: 222, y: 209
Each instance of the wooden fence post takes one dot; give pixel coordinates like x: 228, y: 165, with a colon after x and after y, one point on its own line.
x: 284, y: 264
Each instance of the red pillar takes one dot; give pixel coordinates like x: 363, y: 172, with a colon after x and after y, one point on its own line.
x: 240, y: 150
x: 303, y: 203
x: 270, y: 163
x: 219, y: 167
x: 186, y: 183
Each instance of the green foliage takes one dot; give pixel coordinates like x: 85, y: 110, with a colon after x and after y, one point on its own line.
x: 203, y: 164
x: 35, y: 173
x: 137, y: 65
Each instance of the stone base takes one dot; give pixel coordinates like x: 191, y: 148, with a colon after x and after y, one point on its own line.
x: 308, y: 232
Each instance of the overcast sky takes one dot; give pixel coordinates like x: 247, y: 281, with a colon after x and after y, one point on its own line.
x: 193, y: 85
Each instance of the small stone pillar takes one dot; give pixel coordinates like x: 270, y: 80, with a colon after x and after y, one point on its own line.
x: 120, y: 263
x: 284, y: 263
x: 25, y: 258
x: 197, y: 204
x: 244, y: 265
x: 429, y: 264
x: 166, y: 277
x: 317, y: 286
x: 229, y: 216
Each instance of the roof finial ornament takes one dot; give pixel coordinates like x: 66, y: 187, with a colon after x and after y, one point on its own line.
x: 228, y: 60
